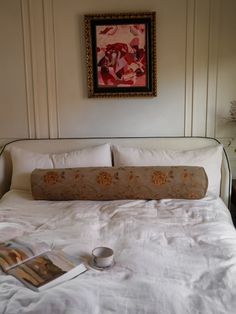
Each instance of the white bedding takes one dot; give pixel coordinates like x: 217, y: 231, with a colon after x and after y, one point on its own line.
x: 171, y: 256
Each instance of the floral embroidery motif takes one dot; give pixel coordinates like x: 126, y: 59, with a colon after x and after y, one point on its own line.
x: 132, y: 176
x: 193, y: 195
x: 159, y: 178
x: 51, y: 177
x: 186, y: 175
x: 77, y: 175
x: 104, y: 178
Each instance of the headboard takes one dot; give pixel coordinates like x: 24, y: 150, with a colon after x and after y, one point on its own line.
x: 63, y: 145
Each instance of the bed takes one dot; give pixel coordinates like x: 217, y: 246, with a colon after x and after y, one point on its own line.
x: 172, y: 256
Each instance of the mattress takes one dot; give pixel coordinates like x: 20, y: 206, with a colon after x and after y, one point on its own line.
x: 171, y: 256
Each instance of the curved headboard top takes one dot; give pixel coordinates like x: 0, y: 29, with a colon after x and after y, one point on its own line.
x: 66, y: 144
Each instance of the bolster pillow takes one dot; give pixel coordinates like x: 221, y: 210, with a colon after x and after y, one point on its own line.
x: 112, y: 183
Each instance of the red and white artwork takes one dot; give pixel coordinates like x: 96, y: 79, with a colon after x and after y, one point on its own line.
x: 121, y: 55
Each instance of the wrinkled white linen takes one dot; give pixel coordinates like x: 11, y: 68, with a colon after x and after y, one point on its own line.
x: 171, y: 256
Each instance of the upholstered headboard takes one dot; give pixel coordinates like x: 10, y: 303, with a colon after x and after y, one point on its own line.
x: 63, y: 145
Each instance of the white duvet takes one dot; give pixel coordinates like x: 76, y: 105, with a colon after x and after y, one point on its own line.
x: 171, y: 256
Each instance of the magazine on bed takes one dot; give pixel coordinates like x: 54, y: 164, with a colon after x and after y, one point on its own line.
x: 36, y: 265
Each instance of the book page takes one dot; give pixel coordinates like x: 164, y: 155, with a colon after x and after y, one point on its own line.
x: 16, y: 251
x: 42, y: 269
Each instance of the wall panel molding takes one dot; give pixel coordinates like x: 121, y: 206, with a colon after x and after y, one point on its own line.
x: 40, y: 70
x: 202, y: 32
x: 28, y: 68
x: 50, y: 68
x: 215, y: 6
x: 189, y: 62
x: 201, y: 46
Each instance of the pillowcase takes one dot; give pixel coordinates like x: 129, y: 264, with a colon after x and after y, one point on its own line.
x: 210, y: 158
x: 94, y: 156
x: 111, y: 183
x: 24, y: 162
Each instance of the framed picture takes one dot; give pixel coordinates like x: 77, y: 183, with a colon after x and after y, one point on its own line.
x: 121, y: 54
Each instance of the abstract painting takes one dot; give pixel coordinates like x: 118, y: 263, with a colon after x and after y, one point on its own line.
x: 121, y: 54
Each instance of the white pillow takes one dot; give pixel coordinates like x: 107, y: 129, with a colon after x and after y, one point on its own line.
x: 95, y: 156
x: 23, y: 163
x: 209, y: 157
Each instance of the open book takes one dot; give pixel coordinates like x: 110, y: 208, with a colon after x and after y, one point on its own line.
x: 36, y: 265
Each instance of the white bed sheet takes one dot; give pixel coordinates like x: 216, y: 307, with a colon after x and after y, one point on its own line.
x: 171, y: 256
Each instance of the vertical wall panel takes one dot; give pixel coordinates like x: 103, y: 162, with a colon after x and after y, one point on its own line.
x: 215, y: 7
x: 50, y: 68
x: 39, y: 68
x: 201, y: 66
x: 39, y: 50
x: 189, y: 74
x: 161, y: 115
x: 28, y: 67
x: 201, y: 42
x: 13, y: 103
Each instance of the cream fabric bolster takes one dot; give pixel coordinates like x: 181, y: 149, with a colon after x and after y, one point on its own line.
x: 111, y: 183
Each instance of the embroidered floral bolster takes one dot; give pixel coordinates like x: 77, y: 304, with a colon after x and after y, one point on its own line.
x: 111, y: 183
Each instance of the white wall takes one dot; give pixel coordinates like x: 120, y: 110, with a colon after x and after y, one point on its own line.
x: 43, y: 90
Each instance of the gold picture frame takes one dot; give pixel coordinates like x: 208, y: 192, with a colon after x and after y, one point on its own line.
x: 121, y: 54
